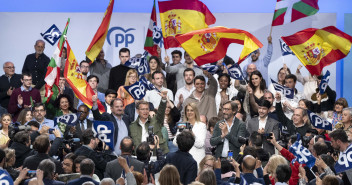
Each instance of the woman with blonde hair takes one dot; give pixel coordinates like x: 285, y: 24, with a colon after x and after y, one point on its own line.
x: 6, y: 120
x: 169, y: 176
x: 131, y: 78
x: 199, y: 130
x: 274, y: 161
x: 25, y: 116
x: 207, y: 162
x: 10, y: 159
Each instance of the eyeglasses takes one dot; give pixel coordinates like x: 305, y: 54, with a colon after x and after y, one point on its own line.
x: 41, y: 110
x: 10, y: 67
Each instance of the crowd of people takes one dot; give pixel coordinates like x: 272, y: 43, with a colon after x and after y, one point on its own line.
x: 194, y: 128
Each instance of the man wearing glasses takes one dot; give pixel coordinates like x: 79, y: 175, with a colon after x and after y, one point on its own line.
x: 24, y: 96
x: 9, y: 81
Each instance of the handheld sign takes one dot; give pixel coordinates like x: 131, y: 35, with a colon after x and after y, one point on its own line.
x: 319, y: 122
x: 104, y: 131
x: 285, y: 50
x: 52, y: 35
x: 303, y: 155
x: 324, y: 82
x: 235, y: 71
x: 140, y: 64
x: 287, y: 92
x: 210, y: 68
x: 345, y: 160
x: 69, y: 119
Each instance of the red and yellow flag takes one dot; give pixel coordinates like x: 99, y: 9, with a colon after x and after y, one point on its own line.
x: 317, y: 48
x: 210, y: 44
x: 99, y: 38
x: 182, y: 16
x: 79, y: 86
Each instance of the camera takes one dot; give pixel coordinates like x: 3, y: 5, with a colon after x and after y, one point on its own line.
x: 267, y: 136
x: 17, y: 127
x: 306, y: 140
x: 31, y: 173
x: 243, y: 140
x: 150, y: 138
x: 185, y: 125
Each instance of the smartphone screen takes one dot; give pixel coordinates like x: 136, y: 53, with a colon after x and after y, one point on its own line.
x: 230, y: 155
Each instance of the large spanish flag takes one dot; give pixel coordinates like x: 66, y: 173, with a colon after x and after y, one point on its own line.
x: 182, y: 16
x: 79, y: 86
x: 210, y: 44
x: 317, y: 48
x: 99, y: 38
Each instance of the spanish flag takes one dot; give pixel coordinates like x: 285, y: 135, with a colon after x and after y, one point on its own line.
x: 210, y: 44
x: 182, y: 16
x: 79, y: 86
x: 317, y: 48
x: 99, y: 38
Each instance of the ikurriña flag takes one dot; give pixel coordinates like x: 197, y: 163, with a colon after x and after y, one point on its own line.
x: 317, y: 48
x: 210, y: 44
x: 99, y: 38
x: 182, y: 16
x: 154, y: 34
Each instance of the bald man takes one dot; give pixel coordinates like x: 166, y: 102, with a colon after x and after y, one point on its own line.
x: 9, y: 81
x: 248, y: 166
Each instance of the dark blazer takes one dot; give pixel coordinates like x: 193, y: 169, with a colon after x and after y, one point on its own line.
x: 250, y: 178
x: 32, y: 162
x: 238, y: 129
x: 185, y: 164
x: 78, y: 132
x: 117, y: 76
x: 270, y: 126
x: 15, y: 82
x: 82, y: 180
x: 109, y: 117
x: 175, y: 117
x: 99, y: 159
x: 47, y: 182
x: 130, y: 110
x: 22, y: 152
x: 113, y: 169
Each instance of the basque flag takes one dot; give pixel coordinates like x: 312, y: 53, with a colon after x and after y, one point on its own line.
x: 319, y: 122
x: 288, y: 92
x: 104, y: 131
x: 324, y: 82
x: 303, y: 155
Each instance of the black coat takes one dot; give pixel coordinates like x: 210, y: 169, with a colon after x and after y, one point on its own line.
x: 15, y: 82
x: 22, y: 152
x: 32, y: 162
x: 185, y: 164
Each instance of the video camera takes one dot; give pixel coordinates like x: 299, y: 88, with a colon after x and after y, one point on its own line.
x: 185, y: 125
x: 150, y: 137
x: 243, y: 140
x: 17, y: 127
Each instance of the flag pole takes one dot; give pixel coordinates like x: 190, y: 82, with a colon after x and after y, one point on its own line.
x: 271, y: 27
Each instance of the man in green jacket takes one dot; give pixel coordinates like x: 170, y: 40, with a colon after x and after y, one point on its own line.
x: 139, y: 128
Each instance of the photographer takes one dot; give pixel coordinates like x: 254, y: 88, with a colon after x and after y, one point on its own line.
x: 143, y: 153
x: 21, y: 144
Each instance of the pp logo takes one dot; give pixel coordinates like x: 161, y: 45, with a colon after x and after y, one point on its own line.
x: 303, y: 152
x: 324, y: 85
x: 236, y: 73
x: 137, y: 90
x: 52, y: 34
x: 67, y: 118
x: 102, y: 131
x: 121, y: 38
x: 157, y: 35
x: 319, y: 121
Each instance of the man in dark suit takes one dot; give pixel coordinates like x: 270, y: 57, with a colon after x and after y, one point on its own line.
x: 264, y: 125
x: 248, y: 166
x: 82, y: 124
x: 227, y: 131
x: 121, y: 121
x: 9, y: 81
x: 87, y: 170
x: 109, y: 96
x: 113, y: 168
x: 87, y: 149
x: 131, y: 110
x: 182, y: 160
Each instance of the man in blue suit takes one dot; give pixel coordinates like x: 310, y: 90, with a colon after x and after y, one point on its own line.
x: 248, y: 166
x: 87, y: 170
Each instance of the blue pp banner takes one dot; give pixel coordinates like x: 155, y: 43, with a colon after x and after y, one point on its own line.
x: 324, y: 82
x: 319, y: 122
x: 235, y: 71
x: 140, y: 64
x: 69, y: 119
x: 5, y: 178
x: 136, y: 90
x: 148, y: 85
x: 104, y: 131
x: 210, y: 68
x: 157, y: 34
x: 345, y: 160
x: 303, y: 155
x: 52, y: 35
x: 287, y: 92
x: 285, y: 50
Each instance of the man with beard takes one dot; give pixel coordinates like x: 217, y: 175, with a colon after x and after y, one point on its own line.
x: 183, y: 92
x: 84, y: 68
x: 227, y: 131
x: 152, y: 96
x: 36, y: 64
x: 179, y: 68
x: 101, y: 68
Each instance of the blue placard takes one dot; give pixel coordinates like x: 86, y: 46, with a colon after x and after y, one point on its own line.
x: 319, y: 122
x: 104, y: 131
x: 287, y: 92
x: 52, y: 35
x: 303, y: 155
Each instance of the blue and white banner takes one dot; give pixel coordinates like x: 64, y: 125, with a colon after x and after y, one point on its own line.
x: 69, y: 119
x: 140, y: 64
x: 104, y: 131
x: 52, y: 35
x: 5, y: 178
x: 137, y: 90
x: 319, y: 122
x: 324, y: 82
x: 235, y: 71
x: 210, y: 68
x: 148, y: 84
x: 287, y: 92
x: 157, y: 34
x: 285, y: 50
x: 345, y: 160
x: 303, y: 155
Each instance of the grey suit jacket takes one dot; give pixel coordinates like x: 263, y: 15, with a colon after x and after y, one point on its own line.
x: 271, y: 126
x: 114, y: 170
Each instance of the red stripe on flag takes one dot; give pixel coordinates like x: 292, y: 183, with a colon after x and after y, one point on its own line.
x: 312, y: 3
x: 279, y: 20
x: 171, y: 42
x: 297, y: 15
x: 334, y: 30
x: 299, y: 37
